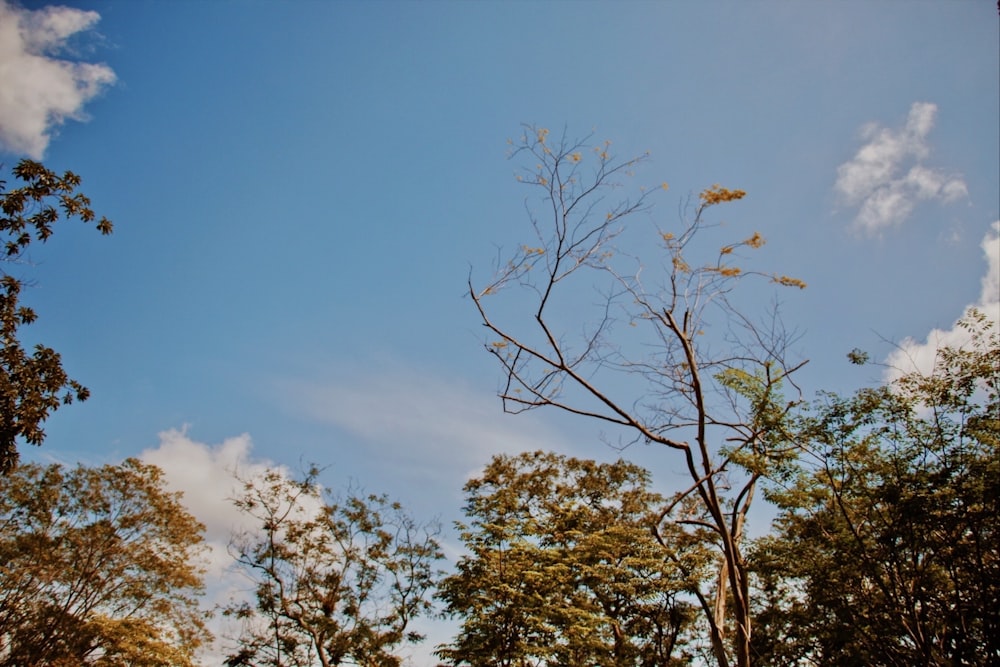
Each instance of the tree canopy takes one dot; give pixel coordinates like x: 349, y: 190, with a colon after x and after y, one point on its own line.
x: 98, y: 566
x: 883, y: 550
x: 886, y: 545
x: 563, y: 569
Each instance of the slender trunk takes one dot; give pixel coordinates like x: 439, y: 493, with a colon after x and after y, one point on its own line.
x: 719, y: 617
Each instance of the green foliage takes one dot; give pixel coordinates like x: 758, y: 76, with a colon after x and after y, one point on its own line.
x: 765, y: 443
x: 32, y: 385
x: 97, y: 568
x: 336, y: 581
x: 563, y: 569
x: 886, y: 550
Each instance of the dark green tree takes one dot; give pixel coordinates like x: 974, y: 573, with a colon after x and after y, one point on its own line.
x: 563, y: 569
x: 98, y: 566
x: 32, y: 384
x: 337, y: 582
x: 886, y: 546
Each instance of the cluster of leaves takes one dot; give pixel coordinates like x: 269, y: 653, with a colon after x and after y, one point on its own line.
x: 97, y: 566
x: 32, y: 385
x: 335, y: 581
x: 562, y: 569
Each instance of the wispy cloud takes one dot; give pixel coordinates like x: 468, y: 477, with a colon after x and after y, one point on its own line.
x: 887, y: 177
x: 430, y: 425
x: 38, y: 90
x: 917, y: 355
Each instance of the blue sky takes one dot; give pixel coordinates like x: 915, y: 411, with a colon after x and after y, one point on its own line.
x: 300, y: 189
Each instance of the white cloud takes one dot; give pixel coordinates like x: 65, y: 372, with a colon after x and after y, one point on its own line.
x: 205, y: 474
x: 38, y: 90
x: 877, y: 179
x: 913, y: 355
x: 991, y: 281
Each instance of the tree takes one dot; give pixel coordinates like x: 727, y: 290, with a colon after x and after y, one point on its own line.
x: 644, y: 359
x: 32, y: 385
x: 563, y: 569
x: 97, y: 567
x: 336, y: 582
x: 887, y: 541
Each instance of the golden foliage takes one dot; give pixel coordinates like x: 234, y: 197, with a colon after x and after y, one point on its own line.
x: 98, y: 560
x: 718, y: 194
x: 789, y: 282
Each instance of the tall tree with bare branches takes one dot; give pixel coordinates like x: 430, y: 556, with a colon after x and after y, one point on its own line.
x: 660, y: 352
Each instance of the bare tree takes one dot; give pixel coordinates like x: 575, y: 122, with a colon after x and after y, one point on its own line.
x: 660, y: 353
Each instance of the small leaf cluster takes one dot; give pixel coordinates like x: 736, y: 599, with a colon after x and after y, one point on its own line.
x: 32, y: 209
x: 32, y: 384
